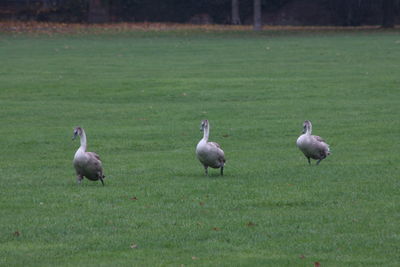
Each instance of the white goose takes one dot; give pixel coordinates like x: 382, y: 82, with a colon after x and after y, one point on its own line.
x: 87, y: 164
x: 210, y: 154
x: 311, y: 145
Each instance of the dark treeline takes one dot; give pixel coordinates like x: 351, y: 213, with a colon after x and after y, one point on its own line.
x: 274, y: 12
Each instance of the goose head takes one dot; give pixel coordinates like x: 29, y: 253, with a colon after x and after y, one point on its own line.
x: 307, y: 127
x: 204, y: 125
x: 77, y: 131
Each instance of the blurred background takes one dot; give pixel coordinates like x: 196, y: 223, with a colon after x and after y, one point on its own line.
x: 268, y: 12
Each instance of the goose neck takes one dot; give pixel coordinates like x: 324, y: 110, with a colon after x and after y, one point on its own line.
x: 206, y: 133
x: 309, y: 129
x: 83, y: 140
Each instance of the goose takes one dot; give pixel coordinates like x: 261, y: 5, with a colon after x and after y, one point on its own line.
x: 209, y: 154
x: 311, y: 145
x: 87, y: 164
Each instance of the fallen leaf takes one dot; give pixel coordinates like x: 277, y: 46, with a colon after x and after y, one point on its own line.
x: 201, y: 203
x: 217, y: 229
x: 317, y: 264
x: 225, y: 135
x: 133, y: 198
x: 133, y: 245
x: 249, y: 224
x: 302, y: 257
x: 194, y: 258
x: 16, y: 233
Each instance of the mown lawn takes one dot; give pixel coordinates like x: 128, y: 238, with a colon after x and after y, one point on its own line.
x: 140, y: 97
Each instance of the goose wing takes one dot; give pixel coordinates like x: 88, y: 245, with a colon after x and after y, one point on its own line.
x: 220, y: 152
x: 321, y: 144
x: 319, y: 139
x: 93, y: 169
x: 215, y: 144
x: 93, y: 155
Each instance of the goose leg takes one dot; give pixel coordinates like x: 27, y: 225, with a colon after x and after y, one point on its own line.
x: 320, y: 160
x: 101, y: 176
x: 323, y: 156
x: 206, y: 170
x: 79, y: 179
x: 309, y: 161
x: 222, y: 171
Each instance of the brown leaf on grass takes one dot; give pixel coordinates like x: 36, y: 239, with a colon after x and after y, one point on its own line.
x: 194, y: 258
x: 302, y: 256
x: 133, y: 245
x: 64, y: 28
x: 16, y: 233
x: 250, y: 224
x: 225, y: 135
x: 201, y: 203
x: 216, y: 229
x: 317, y: 264
x: 133, y: 198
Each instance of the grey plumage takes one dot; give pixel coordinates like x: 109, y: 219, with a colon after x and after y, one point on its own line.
x: 209, y: 154
x: 86, y: 164
x: 312, y: 146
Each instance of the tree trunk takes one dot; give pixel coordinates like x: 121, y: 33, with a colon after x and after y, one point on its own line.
x: 98, y: 12
x: 257, y: 15
x: 388, y: 13
x: 235, y: 13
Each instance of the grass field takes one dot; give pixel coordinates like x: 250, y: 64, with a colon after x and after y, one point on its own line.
x: 140, y: 96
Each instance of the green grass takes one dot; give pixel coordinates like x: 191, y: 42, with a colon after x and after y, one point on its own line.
x: 141, y: 97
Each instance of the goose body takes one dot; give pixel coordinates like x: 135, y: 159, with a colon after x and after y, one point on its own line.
x: 312, y: 146
x: 86, y: 164
x: 209, y: 154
